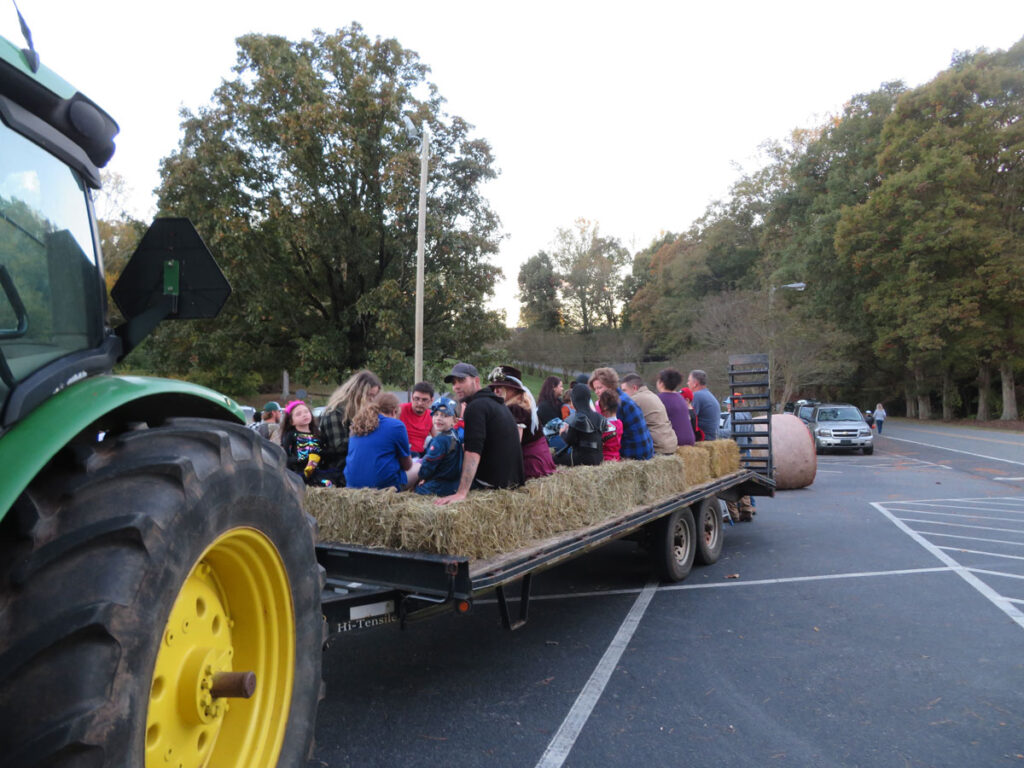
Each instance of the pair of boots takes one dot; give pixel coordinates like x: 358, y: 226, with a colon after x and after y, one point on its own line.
x: 742, y: 511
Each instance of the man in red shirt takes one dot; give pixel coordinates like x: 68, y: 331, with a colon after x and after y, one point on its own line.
x: 416, y: 416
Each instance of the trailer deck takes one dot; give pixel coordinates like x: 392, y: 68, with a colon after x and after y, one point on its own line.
x: 368, y: 587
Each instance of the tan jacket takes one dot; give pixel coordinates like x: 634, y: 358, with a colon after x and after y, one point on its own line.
x: 658, y: 424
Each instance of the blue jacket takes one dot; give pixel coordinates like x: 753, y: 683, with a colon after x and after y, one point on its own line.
x: 442, y: 465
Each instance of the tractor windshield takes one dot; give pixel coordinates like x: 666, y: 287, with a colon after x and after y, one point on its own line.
x: 50, y: 291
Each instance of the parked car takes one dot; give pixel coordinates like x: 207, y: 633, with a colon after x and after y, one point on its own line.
x: 805, y: 408
x: 838, y: 426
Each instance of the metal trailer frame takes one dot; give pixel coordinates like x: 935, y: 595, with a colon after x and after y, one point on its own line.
x: 370, y: 587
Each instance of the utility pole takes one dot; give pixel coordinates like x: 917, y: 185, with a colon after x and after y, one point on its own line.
x: 421, y: 232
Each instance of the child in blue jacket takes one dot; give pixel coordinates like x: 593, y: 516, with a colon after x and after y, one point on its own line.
x: 441, y: 469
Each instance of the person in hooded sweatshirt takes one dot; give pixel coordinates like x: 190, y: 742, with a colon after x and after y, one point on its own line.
x: 583, y: 432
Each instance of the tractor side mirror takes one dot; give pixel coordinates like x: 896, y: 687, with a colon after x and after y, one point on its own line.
x: 171, y: 275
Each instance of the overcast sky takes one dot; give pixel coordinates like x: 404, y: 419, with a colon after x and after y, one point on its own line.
x: 635, y: 115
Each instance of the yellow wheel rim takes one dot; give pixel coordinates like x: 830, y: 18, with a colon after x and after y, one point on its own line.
x: 234, y: 613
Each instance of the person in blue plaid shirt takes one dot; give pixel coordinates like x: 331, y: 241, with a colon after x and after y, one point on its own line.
x: 636, y: 439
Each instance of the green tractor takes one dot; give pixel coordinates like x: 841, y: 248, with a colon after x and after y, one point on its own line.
x: 159, y: 592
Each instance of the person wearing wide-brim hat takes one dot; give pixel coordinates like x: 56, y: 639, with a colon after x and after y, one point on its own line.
x: 507, y: 381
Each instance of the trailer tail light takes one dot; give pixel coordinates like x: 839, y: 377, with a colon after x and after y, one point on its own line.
x: 463, y: 606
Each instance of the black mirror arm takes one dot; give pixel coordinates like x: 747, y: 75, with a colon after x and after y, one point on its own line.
x: 133, y: 331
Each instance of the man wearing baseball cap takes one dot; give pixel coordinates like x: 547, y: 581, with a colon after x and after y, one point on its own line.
x: 271, y: 417
x: 493, y: 458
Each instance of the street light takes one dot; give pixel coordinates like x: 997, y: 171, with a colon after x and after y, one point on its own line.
x: 421, y: 228
x: 771, y: 322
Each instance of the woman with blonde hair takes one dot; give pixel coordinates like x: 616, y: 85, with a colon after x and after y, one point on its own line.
x: 345, y: 402
x: 378, y: 448
x: 508, y: 382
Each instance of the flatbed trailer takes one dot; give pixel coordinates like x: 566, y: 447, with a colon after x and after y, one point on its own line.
x: 371, y: 587
x: 368, y: 587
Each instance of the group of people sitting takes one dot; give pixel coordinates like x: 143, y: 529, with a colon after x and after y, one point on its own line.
x: 488, y: 436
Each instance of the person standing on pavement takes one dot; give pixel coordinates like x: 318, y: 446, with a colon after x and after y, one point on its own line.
x: 704, y: 403
x: 493, y: 457
x: 738, y: 427
x: 879, y: 415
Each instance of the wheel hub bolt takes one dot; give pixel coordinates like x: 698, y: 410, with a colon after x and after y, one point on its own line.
x: 233, y: 685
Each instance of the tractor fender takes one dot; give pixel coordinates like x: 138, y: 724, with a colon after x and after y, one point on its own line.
x: 98, y: 403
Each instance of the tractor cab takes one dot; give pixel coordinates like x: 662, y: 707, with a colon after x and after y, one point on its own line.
x: 53, y: 328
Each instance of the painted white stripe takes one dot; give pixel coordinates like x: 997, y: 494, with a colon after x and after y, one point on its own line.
x: 997, y: 573
x: 986, y: 591
x: 971, y: 538
x: 1015, y: 600
x: 968, y: 515
x: 564, y: 740
x: 972, y: 526
x: 954, y: 450
x: 944, y: 502
x: 795, y: 579
x: 1009, y: 479
x: 966, y: 507
x: 982, y: 552
x: 731, y: 583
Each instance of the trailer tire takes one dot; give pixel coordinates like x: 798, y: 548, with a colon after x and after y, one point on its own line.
x: 134, y: 571
x: 674, y: 547
x: 707, y: 521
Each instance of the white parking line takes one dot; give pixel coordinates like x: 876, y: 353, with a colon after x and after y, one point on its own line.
x: 901, y: 505
x: 982, y: 552
x: 999, y: 573
x: 955, y: 450
x: 971, y: 538
x: 984, y: 589
x: 962, y: 525
x: 562, y: 742
x: 969, y: 515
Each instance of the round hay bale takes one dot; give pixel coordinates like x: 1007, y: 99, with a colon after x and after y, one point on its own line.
x: 795, y: 461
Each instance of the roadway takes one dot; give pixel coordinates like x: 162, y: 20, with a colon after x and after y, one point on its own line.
x: 872, y: 619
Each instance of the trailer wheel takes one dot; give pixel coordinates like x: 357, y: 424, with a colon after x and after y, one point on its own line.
x: 707, y: 519
x: 142, y: 578
x: 674, y: 545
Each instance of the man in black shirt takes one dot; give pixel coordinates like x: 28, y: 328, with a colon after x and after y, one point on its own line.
x: 494, y: 458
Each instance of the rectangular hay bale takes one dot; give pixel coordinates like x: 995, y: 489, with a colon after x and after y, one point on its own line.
x: 488, y: 523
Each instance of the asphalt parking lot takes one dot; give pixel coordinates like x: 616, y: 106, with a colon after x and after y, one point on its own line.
x: 871, y: 619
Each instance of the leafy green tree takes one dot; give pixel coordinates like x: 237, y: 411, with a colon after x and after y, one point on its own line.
x: 301, y: 178
x: 939, y: 239
x: 590, y: 267
x: 538, y: 293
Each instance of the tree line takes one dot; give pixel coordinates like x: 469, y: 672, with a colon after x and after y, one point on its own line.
x: 902, y: 217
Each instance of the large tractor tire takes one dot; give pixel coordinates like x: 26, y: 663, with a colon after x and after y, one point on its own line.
x: 142, y: 578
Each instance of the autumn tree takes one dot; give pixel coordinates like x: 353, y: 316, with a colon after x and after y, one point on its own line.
x: 301, y: 178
